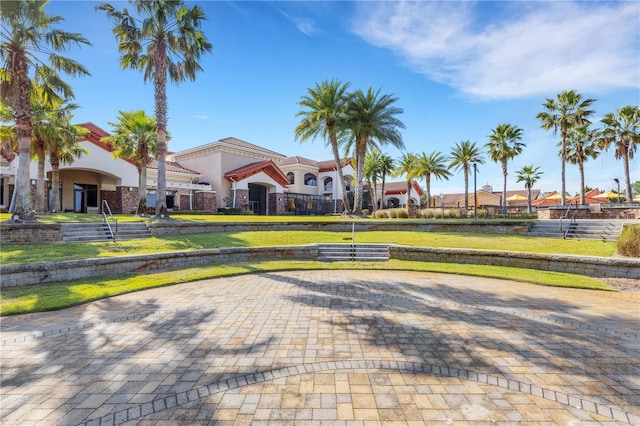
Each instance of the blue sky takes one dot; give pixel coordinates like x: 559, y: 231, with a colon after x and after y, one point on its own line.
x: 458, y: 70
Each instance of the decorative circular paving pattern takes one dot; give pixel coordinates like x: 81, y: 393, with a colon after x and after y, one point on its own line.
x: 328, y: 347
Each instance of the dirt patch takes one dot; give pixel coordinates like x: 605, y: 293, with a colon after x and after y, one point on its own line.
x: 626, y: 285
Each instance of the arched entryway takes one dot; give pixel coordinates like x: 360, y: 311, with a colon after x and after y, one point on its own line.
x: 258, y: 199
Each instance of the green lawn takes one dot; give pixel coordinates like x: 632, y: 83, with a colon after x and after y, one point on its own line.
x: 59, y: 295
x: 46, y: 297
x: 17, y: 253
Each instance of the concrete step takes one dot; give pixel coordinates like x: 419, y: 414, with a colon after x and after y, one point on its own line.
x: 91, y: 232
x: 581, y: 229
x: 357, y: 252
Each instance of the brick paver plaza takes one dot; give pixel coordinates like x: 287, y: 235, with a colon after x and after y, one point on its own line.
x: 329, y: 347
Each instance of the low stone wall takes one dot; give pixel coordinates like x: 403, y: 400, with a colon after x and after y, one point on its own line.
x: 21, y: 275
x: 603, y: 267
x: 492, y: 227
x: 22, y: 233
x: 608, y: 212
x: 45, y: 272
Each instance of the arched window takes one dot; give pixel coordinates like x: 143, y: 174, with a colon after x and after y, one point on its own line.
x: 291, y: 177
x: 310, y: 179
x: 328, y: 184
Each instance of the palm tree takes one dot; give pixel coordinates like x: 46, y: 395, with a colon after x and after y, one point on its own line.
x: 370, y: 118
x: 325, y: 104
x: 50, y: 120
x: 63, y: 148
x: 622, y: 129
x: 371, y: 173
x: 582, y: 145
x: 407, y: 165
x: 433, y: 164
x: 170, y: 34
x: 134, y: 136
x: 504, y: 144
x: 566, y: 112
x: 26, y: 39
x: 386, y: 164
x: 529, y: 175
x: 463, y: 155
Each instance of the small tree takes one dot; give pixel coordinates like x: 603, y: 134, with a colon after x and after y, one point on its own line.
x: 529, y: 175
x: 504, y: 144
x: 135, y: 136
x: 463, y: 155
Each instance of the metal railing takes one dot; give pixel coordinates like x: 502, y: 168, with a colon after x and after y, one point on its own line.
x: 106, y: 209
x: 568, y: 215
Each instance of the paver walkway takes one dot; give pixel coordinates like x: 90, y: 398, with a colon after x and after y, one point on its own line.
x: 328, y: 347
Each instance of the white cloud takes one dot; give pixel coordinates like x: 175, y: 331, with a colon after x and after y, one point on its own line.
x: 525, y: 48
x: 304, y: 25
x: 200, y: 117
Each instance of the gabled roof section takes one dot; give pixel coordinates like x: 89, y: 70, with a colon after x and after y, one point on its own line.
x: 393, y: 188
x: 298, y: 160
x: 328, y: 165
x: 95, y: 135
x: 242, y: 144
x: 172, y: 166
x: 234, y: 144
x: 268, y: 167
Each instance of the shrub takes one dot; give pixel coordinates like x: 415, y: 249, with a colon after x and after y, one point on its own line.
x: 393, y: 213
x: 381, y: 214
x: 366, y: 212
x: 403, y: 213
x: 629, y: 241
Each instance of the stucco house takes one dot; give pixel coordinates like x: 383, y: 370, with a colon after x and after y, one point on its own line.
x: 98, y: 177
x: 225, y: 173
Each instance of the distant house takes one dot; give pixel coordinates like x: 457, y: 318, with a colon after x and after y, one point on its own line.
x: 487, y: 198
x: 395, y: 194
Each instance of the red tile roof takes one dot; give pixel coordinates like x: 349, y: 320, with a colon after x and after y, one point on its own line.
x: 268, y: 167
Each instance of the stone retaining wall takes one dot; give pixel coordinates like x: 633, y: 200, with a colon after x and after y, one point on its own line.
x: 591, y: 266
x: 45, y: 272
x: 492, y: 227
x: 23, y: 233
x: 37, y: 273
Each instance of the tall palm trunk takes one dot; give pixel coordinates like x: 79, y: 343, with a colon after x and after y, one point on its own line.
x: 41, y: 204
x: 336, y: 156
x: 408, y: 193
x: 627, y: 179
x: 22, y: 107
x: 563, y: 155
x: 581, y: 171
x: 160, y: 88
x: 361, y: 152
x: 504, y: 186
x: 529, y: 198
x: 384, y: 178
x: 142, y: 180
x: 466, y: 191
x: 55, y: 182
x: 374, y: 195
x: 427, y: 181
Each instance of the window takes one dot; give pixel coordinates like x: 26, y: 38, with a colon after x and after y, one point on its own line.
x: 310, y: 179
x: 328, y: 184
x: 347, y: 183
x: 291, y: 177
x: 85, y: 196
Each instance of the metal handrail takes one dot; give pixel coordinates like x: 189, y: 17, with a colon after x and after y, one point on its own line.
x: 572, y: 219
x: 106, y: 219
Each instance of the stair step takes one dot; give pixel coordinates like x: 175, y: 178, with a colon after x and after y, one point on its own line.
x: 348, y: 252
